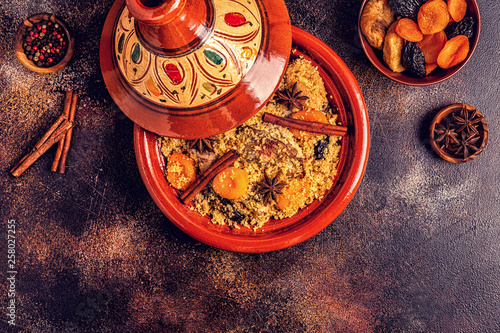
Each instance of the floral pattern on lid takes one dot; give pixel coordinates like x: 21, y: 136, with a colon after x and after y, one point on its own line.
x: 199, y: 77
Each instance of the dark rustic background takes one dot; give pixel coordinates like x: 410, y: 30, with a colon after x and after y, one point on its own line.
x: 416, y: 250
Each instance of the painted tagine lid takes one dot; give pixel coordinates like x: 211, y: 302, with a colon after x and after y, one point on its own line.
x: 194, y: 68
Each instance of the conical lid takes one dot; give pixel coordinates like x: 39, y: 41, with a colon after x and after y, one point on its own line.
x: 194, y: 68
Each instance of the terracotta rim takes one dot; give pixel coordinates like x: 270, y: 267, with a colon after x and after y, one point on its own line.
x: 439, y: 74
x: 18, y: 49
x: 308, y: 222
x: 443, y: 113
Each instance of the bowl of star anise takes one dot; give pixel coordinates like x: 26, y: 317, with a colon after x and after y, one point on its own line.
x: 458, y: 133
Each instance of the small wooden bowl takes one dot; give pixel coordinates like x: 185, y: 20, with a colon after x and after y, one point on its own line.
x: 436, y: 76
x: 18, y: 48
x: 447, y: 154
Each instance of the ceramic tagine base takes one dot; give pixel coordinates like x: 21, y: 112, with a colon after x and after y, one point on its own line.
x: 194, y: 85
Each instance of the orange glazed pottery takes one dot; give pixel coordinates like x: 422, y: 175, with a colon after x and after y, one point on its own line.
x: 345, y: 95
x: 194, y: 68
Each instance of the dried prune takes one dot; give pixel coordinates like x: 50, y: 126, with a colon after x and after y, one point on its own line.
x: 321, y: 148
x: 414, y: 60
x: 406, y: 8
x: 465, y: 27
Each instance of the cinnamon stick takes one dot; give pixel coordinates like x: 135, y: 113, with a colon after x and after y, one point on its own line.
x: 225, y: 161
x: 21, y: 161
x: 60, y: 145
x: 51, y: 130
x: 67, y: 137
x: 33, y: 156
x: 304, y: 125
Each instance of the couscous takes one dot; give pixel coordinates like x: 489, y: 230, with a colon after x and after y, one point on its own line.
x: 279, y: 170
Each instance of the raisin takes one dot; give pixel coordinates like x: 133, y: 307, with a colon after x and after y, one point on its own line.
x: 464, y: 27
x: 237, y: 216
x: 224, y: 201
x: 225, y: 206
x: 414, y: 60
x: 406, y: 8
x: 320, y: 148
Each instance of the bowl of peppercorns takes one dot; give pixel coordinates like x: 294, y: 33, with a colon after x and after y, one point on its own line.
x: 43, y: 43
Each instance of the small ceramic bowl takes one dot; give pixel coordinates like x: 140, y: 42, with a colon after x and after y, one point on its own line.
x: 344, y: 92
x: 436, y: 76
x: 453, y: 154
x: 18, y: 48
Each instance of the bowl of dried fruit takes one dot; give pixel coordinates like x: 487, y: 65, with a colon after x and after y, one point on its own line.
x: 241, y: 199
x: 458, y: 133
x: 43, y: 43
x: 419, y: 42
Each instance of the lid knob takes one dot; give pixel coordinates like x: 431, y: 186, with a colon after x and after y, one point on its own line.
x: 172, y: 27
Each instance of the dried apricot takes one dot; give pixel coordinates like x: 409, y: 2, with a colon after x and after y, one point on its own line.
x: 457, y: 9
x: 433, y: 17
x: 181, y: 171
x: 309, y: 115
x: 393, y: 49
x: 430, y: 67
x: 409, y: 30
x: 454, y: 52
x: 431, y: 45
x: 294, y: 195
x: 231, y: 183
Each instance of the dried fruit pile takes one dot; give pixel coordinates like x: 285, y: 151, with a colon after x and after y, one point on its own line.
x: 422, y: 35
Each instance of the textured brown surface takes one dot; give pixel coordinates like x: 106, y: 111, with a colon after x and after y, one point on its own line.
x: 417, y: 249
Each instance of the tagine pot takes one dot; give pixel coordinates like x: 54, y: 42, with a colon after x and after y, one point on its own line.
x: 194, y: 68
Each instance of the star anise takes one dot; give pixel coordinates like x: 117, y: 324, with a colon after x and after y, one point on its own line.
x: 446, y: 134
x: 467, y: 143
x: 271, y: 188
x: 292, y: 97
x: 467, y: 120
x: 204, y: 144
